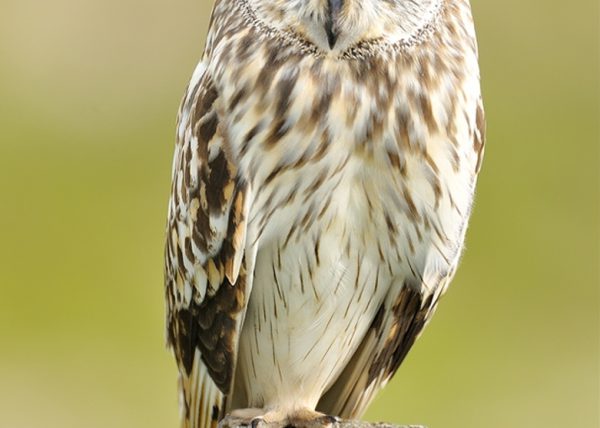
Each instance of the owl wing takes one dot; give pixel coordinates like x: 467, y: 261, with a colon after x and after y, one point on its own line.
x: 398, y: 323
x: 392, y: 333
x: 207, y: 274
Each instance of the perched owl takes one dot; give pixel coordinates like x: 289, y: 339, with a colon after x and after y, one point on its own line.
x: 326, y: 158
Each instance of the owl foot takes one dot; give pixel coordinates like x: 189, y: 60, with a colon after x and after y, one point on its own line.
x: 306, y: 418
x: 251, y: 418
x: 259, y: 418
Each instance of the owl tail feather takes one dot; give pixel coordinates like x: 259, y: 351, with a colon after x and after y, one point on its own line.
x: 201, y: 401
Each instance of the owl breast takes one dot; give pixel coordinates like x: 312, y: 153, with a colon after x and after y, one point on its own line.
x: 328, y: 137
x: 352, y: 190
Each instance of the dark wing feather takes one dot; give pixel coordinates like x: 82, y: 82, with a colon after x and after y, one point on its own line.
x: 206, y: 278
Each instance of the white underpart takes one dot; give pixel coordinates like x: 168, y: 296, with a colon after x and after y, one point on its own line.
x: 298, y: 334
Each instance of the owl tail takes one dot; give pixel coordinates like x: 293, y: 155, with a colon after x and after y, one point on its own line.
x: 201, y: 401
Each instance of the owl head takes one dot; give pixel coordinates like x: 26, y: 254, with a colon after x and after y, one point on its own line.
x: 335, y: 25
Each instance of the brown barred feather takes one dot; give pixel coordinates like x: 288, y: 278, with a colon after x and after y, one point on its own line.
x: 206, y: 278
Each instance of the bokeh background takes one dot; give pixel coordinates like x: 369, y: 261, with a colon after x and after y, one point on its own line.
x: 88, y: 95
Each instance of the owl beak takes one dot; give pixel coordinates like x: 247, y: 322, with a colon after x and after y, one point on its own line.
x: 331, y: 24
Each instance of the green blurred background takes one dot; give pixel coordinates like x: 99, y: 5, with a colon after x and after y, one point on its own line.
x: 88, y: 95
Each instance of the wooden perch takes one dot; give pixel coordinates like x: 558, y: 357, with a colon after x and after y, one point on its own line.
x: 343, y: 424
x: 362, y: 424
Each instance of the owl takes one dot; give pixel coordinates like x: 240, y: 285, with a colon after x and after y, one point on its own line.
x: 323, y: 177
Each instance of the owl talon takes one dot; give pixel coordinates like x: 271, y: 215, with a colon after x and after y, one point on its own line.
x: 256, y: 422
x: 251, y: 418
x: 311, y: 419
x: 328, y: 419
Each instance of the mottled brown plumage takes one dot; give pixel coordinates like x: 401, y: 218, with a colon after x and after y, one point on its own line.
x: 326, y: 158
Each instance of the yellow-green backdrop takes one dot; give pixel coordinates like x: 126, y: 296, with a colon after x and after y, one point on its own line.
x: 88, y: 95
